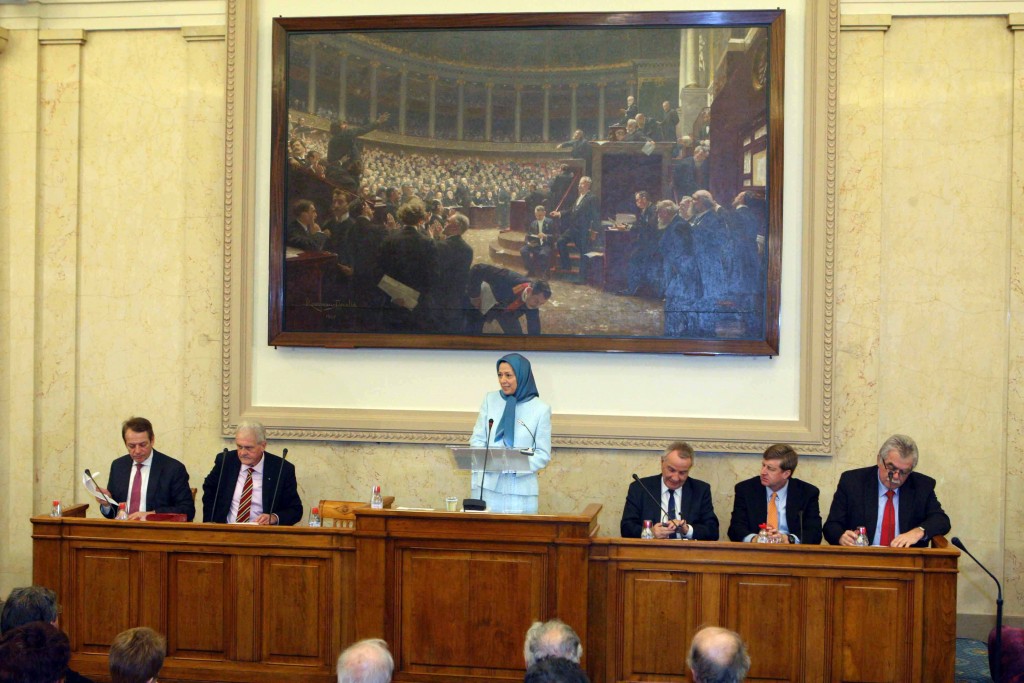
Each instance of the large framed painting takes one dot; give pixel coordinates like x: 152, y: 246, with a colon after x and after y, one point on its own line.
x: 569, y: 182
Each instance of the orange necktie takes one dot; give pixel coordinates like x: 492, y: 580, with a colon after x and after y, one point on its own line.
x: 773, y: 512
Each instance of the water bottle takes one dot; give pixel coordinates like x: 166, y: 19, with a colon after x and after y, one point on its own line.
x: 56, y: 510
x: 122, y: 512
x: 314, y: 517
x: 762, y: 534
x: 648, y: 531
x: 376, y: 500
x: 862, y: 537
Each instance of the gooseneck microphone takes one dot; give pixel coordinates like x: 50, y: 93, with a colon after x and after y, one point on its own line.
x: 216, y: 495
x: 277, y: 487
x: 105, y: 496
x: 532, y: 448
x: 479, y: 504
x: 997, y: 663
x: 656, y: 500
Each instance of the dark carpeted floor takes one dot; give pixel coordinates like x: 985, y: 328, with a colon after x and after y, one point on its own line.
x: 971, y: 661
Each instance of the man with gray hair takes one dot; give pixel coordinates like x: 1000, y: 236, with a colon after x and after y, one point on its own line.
x: 896, y: 505
x: 367, y: 661
x: 31, y: 604
x: 718, y: 655
x: 553, y: 638
x: 249, y: 485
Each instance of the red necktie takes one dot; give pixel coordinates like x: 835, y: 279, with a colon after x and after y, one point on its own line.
x: 246, y: 500
x: 888, y: 521
x: 136, y: 495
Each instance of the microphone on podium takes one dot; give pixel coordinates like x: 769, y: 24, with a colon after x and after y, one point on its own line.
x: 216, y: 494
x: 997, y: 664
x: 277, y: 487
x: 479, y: 504
x: 657, y: 501
x: 533, y: 447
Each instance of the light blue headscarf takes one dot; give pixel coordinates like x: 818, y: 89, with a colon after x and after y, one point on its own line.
x: 526, y: 390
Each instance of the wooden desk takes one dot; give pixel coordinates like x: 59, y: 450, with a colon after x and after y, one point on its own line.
x: 818, y: 613
x: 453, y: 593
x: 237, y: 603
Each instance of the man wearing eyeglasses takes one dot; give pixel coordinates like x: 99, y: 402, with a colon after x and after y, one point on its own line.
x: 897, y: 505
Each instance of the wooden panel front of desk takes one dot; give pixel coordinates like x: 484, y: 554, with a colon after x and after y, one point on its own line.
x: 454, y: 593
x: 807, y: 613
x: 237, y: 603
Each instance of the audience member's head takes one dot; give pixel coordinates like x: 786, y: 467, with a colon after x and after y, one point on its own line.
x: 718, y: 655
x: 367, y: 661
x: 137, y: 655
x: 28, y: 604
x: 555, y: 670
x: 552, y: 638
x: 37, y: 652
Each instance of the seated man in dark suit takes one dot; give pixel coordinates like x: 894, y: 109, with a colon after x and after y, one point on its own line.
x: 243, y: 483
x: 795, y: 517
x: 304, y: 232
x: 146, y: 479
x: 897, y: 505
x: 677, y: 505
x: 514, y: 297
x: 536, y: 251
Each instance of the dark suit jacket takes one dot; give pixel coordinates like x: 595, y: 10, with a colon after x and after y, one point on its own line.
x: 300, y: 237
x: 856, y: 504
x: 502, y: 282
x: 288, y: 506
x: 578, y: 219
x: 750, y: 509
x: 167, y: 490
x: 695, y: 507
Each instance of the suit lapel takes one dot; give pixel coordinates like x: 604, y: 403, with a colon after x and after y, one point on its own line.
x: 794, y: 504
x: 871, y: 514
x: 906, y: 503
x: 229, y: 473
x: 155, y: 470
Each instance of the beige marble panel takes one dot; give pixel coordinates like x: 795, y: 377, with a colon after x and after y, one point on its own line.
x: 1014, y: 537
x: 19, y: 64
x: 945, y: 223
x: 203, y: 201
x: 858, y: 244
x: 60, y: 63
x: 133, y: 240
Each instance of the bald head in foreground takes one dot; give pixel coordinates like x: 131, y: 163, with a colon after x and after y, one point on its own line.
x: 718, y: 655
x: 367, y: 661
x: 553, y: 638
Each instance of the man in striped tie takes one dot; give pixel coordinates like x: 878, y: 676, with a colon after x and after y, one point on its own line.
x: 787, y: 505
x: 249, y: 485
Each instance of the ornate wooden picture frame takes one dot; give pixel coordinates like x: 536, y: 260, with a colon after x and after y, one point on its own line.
x: 478, y: 113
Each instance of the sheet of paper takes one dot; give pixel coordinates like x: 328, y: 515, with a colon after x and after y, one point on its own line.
x: 399, y: 292
x: 91, y: 488
x: 487, y: 299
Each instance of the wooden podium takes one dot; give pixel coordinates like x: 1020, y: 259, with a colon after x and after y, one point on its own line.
x: 454, y: 593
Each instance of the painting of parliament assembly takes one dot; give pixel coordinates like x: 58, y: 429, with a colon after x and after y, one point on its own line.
x: 570, y: 182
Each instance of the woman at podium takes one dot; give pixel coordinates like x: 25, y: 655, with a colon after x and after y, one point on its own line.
x: 515, y: 417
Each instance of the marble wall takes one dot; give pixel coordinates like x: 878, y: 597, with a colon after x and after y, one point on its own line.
x: 111, y: 205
